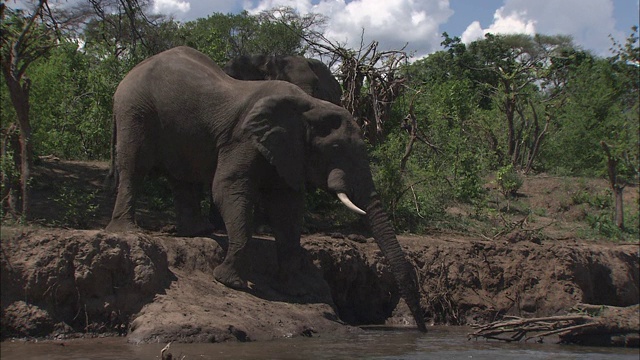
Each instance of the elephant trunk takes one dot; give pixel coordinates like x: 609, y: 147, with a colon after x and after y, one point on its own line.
x: 402, y: 270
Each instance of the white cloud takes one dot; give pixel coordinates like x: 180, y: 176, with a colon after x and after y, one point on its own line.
x: 515, y: 22
x: 393, y: 23
x: 589, y: 22
x: 170, y: 6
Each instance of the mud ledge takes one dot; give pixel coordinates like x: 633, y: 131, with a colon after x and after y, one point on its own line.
x: 153, y: 287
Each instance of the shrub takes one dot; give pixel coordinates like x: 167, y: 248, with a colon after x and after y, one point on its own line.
x: 508, y: 180
x: 79, y: 207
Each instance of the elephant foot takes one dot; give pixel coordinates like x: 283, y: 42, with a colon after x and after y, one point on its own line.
x: 120, y: 226
x: 229, y: 277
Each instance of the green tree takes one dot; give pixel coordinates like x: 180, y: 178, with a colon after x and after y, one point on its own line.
x: 72, y: 115
x: 26, y: 37
x: 518, y: 67
x: 223, y: 37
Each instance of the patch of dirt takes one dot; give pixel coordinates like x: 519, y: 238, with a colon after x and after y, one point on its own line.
x: 152, y: 286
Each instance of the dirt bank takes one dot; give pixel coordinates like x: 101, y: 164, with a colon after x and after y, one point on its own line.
x: 160, y: 288
x: 156, y: 287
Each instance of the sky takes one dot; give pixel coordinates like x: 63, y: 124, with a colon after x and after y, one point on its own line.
x: 420, y: 23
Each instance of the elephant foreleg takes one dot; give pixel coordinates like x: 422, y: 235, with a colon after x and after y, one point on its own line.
x: 233, y: 199
x: 284, y: 208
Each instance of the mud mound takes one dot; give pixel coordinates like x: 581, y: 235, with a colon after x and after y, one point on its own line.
x: 59, y: 282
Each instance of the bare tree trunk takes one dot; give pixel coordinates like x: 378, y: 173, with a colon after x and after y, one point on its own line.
x: 617, y: 188
x: 538, y: 136
x: 20, y: 99
x: 510, y: 109
x: 619, y: 214
x: 10, y: 153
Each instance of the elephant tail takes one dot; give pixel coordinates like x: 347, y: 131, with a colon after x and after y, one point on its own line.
x: 111, y: 181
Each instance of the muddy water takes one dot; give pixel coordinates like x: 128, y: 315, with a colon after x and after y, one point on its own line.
x: 439, y: 343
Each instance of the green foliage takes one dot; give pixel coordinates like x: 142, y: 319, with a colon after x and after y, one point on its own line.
x: 468, y: 185
x: 223, y: 37
x: 601, y: 201
x: 416, y: 196
x: 79, y: 208
x: 508, y: 180
x: 602, y: 105
x: 560, y: 102
x: 157, y: 192
x: 603, y: 223
x: 71, y: 111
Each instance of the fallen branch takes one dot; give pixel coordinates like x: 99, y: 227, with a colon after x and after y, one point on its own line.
x: 592, y: 325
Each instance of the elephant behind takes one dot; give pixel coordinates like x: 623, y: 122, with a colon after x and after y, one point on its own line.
x: 178, y: 112
x: 310, y: 75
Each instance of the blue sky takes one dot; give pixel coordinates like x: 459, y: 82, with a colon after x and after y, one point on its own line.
x: 421, y: 22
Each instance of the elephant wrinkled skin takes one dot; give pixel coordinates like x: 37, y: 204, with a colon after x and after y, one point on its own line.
x: 180, y: 113
x: 311, y: 75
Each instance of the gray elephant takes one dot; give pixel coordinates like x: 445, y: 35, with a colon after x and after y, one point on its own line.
x: 310, y: 75
x: 179, y: 112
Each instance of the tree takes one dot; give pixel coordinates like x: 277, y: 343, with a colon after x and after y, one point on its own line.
x: 621, y: 147
x: 223, y: 37
x: 122, y: 32
x: 71, y: 104
x: 518, y: 66
x: 26, y: 37
x: 371, y: 79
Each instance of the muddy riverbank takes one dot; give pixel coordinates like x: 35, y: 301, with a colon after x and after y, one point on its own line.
x: 58, y: 283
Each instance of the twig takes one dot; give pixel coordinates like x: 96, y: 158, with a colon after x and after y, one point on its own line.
x: 563, y: 330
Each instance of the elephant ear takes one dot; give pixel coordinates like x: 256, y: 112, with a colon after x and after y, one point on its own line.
x: 277, y: 129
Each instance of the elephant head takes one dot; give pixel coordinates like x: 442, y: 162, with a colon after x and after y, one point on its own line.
x: 320, y: 144
x: 311, y: 75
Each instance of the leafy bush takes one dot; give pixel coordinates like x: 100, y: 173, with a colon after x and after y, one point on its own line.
x: 414, y: 197
x: 79, y: 207
x: 509, y: 181
x: 71, y: 105
x: 468, y: 184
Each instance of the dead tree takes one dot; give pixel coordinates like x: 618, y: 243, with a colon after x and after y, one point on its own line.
x: 371, y: 79
x: 25, y: 38
x: 371, y: 82
x: 410, y: 124
x: 617, y: 186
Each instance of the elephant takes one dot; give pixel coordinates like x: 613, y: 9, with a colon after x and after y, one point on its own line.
x: 179, y: 113
x: 310, y: 75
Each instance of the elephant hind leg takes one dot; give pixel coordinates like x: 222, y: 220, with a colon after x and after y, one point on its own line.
x: 123, y: 216
x: 134, y: 158
x: 190, y: 220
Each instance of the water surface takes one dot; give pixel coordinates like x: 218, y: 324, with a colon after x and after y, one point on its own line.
x: 438, y: 343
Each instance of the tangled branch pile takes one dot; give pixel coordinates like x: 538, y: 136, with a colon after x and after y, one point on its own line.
x: 586, y: 325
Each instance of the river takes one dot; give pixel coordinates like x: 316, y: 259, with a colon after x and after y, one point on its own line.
x: 438, y: 343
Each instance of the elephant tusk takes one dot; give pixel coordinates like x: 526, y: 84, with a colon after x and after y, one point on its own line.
x: 345, y: 200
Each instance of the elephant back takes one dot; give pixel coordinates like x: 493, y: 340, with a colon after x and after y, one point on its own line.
x: 311, y: 75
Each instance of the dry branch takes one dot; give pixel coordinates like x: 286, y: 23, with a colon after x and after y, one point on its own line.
x: 592, y: 324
